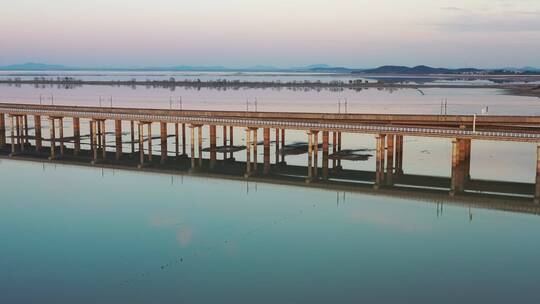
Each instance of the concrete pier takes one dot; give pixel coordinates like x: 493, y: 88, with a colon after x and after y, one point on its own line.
x: 325, y: 135
x: 266, y: 150
x: 389, y: 160
x: 118, y: 138
x: 52, y: 128
x: 213, y: 146
x: 37, y: 133
x: 2, y: 130
x: 163, y: 146
x: 379, y: 161
x: 76, y: 136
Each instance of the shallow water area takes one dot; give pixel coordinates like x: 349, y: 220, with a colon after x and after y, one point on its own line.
x: 86, y: 234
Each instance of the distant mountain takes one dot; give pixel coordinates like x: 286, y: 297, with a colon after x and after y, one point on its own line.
x: 314, y: 68
x: 31, y: 66
x: 417, y: 70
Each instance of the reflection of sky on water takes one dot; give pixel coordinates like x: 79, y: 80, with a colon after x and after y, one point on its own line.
x: 83, y: 235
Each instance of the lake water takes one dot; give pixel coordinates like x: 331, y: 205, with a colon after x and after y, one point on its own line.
x: 86, y: 235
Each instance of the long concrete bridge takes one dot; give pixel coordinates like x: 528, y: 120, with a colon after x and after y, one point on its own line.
x: 323, y: 131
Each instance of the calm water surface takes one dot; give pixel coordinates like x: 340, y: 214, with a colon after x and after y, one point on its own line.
x: 83, y: 235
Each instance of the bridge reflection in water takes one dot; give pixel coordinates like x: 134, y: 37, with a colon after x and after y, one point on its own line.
x: 323, y: 132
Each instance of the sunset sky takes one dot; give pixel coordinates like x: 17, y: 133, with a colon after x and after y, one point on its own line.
x: 241, y: 33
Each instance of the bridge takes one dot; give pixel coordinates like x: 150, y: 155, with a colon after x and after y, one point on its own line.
x: 324, y: 132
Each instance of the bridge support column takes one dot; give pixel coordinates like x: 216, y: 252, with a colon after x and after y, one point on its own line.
x: 325, y: 155
x: 103, y: 139
x: 118, y: 138
x: 248, y: 153
x: 334, y: 150
x: 213, y: 146
x: 20, y: 133
x: 266, y: 140
x: 537, y: 185
x: 399, y: 155
x: 231, y: 141
x: 277, y: 146
x: 283, y: 147
x: 12, y: 128
x: 98, y: 122
x: 200, y: 139
x: 192, y: 139
x: 339, y: 151
x: 141, y: 144
x: 389, y: 160
x: 224, y: 142
x: 132, y: 133
x: 315, y: 154
x: 93, y: 140
x: 310, y: 157
x: 456, y: 174
x: 76, y: 136
x: 61, y: 131
x: 52, y: 128
x: 37, y: 132
x: 163, y: 135
x: 2, y: 130
x: 149, y: 125
x: 379, y: 162
x: 26, y: 128
x: 468, y: 146
x: 176, y: 140
x: 255, y: 153
x: 184, y: 139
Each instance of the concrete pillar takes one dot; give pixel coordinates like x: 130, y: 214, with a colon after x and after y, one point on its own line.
x: 537, y: 185
x: 310, y: 156
x: 462, y: 154
x: 389, y: 159
x: 149, y: 124
x: 467, y: 170
x: 12, y: 127
x: 93, y: 140
x: 379, y: 163
x: 141, y: 144
x: 283, y: 146
x: 277, y: 146
x: 26, y: 141
x: 213, y: 146
x: 231, y: 141
x: 224, y: 142
x: 184, y: 139
x: 2, y: 130
x: 163, y: 135
x: 18, y: 132
x: 98, y: 134
x: 315, y: 154
x: 255, y: 153
x: 52, y: 128
x: 37, y: 132
x: 192, y: 128
x: 248, y: 152
x: 76, y: 136
x: 176, y: 140
x: 266, y: 150
x: 61, y: 127
x: 325, y: 135
x: 454, y: 184
x: 200, y: 139
x: 399, y: 155
x: 103, y: 139
x: 132, y: 131
x: 118, y: 138
x: 334, y: 149
x: 339, y: 150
